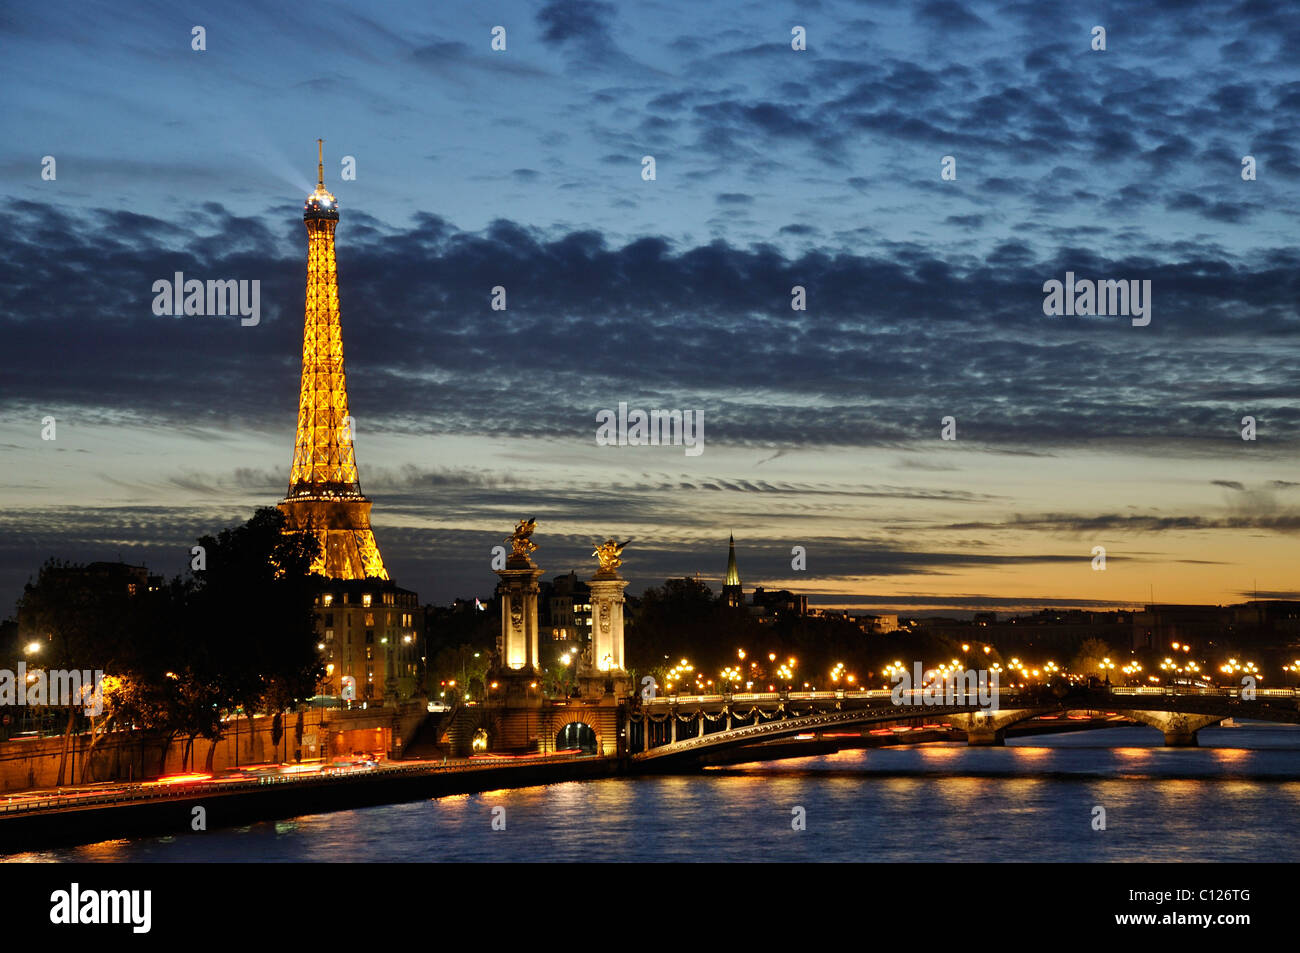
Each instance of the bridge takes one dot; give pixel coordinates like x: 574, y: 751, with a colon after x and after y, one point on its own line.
x: 677, y: 730
x: 605, y: 716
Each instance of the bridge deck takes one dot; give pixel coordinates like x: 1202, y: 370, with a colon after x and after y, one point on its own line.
x: 771, y: 715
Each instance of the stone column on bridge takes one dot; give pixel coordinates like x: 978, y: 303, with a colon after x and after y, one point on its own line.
x: 982, y: 737
x: 518, y: 645
x: 605, y: 672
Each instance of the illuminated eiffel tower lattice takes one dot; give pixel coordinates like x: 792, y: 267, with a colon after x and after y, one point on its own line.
x: 324, y: 495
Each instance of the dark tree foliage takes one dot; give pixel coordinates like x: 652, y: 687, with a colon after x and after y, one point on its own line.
x: 453, y: 634
x: 79, y: 620
x: 251, y: 628
x: 462, y: 623
x: 74, y: 620
x: 238, y: 634
x: 682, y: 618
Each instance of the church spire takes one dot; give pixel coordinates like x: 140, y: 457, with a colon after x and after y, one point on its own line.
x: 732, y: 593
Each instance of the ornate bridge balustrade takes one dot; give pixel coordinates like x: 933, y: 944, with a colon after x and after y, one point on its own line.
x: 685, y: 727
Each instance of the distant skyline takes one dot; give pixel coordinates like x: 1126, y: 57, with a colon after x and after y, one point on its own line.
x: 774, y: 168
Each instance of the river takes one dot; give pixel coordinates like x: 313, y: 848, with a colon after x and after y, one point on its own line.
x: 1236, y: 798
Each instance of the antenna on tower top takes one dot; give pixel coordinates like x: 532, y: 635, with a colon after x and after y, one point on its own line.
x: 320, y: 163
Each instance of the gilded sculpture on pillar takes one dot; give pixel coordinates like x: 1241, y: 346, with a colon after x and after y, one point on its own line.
x: 610, y: 555
x: 521, y: 541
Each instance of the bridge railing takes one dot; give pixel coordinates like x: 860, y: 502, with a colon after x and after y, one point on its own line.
x: 753, y: 697
x: 1218, y: 692
x: 1003, y: 691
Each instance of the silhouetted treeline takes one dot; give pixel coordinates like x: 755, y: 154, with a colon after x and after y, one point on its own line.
x: 234, y: 635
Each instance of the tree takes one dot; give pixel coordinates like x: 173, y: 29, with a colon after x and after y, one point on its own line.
x: 140, y: 688
x: 74, y: 618
x: 679, y: 618
x: 251, y: 622
x: 1087, y: 661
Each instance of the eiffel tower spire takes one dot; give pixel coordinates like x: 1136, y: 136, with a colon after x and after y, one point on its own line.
x: 324, y: 495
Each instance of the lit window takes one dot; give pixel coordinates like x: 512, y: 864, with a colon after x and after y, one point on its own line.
x: 328, y: 599
x: 365, y: 600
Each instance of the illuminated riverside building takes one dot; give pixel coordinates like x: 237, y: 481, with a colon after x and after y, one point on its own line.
x: 570, y: 610
x: 369, y: 638
x: 368, y: 641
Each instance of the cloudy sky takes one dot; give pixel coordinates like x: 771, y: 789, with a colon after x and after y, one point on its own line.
x: 774, y: 168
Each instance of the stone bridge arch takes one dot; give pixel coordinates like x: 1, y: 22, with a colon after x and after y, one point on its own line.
x: 1179, y: 728
x: 778, y: 728
x: 592, y: 719
x: 984, y: 728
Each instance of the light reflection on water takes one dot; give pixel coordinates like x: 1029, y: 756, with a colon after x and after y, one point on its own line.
x: 1031, y: 800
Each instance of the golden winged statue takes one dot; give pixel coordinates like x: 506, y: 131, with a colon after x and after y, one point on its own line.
x: 610, y: 554
x: 520, y: 540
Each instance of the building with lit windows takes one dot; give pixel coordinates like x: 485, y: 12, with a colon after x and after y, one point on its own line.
x: 369, y: 640
x: 570, y: 610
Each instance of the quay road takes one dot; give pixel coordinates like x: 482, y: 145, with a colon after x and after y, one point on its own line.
x: 170, y: 806
x: 252, y: 778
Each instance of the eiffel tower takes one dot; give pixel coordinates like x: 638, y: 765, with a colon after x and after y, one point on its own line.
x: 324, y: 495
